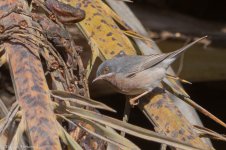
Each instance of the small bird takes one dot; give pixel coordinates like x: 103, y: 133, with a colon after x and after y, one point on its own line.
x: 138, y: 75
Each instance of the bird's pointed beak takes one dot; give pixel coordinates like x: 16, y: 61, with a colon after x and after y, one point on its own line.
x: 101, y: 77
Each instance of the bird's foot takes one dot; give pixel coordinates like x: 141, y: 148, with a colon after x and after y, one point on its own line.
x: 134, y: 101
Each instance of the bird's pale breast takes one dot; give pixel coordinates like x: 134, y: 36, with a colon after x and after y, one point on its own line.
x: 141, y: 82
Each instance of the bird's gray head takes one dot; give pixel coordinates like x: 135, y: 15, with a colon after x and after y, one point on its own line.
x: 106, y: 70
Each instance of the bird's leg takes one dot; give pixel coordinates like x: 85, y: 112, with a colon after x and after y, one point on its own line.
x: 134, y: 101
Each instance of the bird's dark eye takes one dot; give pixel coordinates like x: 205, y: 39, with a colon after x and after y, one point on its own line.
x: 106, y: 70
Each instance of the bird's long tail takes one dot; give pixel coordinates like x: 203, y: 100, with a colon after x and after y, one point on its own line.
x: 177, y: 53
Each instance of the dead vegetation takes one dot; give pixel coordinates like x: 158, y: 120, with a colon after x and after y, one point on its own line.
x: 46, y: 105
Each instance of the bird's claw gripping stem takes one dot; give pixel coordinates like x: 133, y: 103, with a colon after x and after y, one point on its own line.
x: 135, y: 101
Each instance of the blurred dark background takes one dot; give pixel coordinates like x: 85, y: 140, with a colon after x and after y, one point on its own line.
x: 202, y: 9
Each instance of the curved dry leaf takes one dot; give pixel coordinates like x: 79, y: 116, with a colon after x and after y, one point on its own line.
x: 209, y: 133
x: 130, y: 129
x: 67, y: 139
x: 5, y: 122
x: 81, y: 100
x: 18, y: 135
x: 105, y: 134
